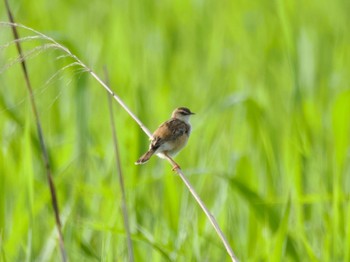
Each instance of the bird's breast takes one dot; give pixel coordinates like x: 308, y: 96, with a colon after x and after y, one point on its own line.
x: 177, y: 145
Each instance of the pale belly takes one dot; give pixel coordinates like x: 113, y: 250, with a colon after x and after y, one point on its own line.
x: 171, y: 147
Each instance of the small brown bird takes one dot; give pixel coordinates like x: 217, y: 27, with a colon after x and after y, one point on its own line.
x: 170, y: 137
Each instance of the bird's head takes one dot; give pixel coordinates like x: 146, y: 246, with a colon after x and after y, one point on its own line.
x: 182, y: 113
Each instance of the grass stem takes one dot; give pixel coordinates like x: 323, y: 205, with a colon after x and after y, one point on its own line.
x: 120, y: 175
x: 40, y: 135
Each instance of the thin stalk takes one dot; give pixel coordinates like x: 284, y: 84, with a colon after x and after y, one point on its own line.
x: 40, y: 135
x: 120, y: 175
x: 203, y: 207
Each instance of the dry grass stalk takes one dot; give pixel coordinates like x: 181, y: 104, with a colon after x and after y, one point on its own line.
x: 120, y: 175
x: 40, y: 134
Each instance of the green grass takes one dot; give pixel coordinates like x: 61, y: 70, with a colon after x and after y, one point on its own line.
x: 269, y: 151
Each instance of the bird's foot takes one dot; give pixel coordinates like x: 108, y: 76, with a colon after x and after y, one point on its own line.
x: 176, y: 167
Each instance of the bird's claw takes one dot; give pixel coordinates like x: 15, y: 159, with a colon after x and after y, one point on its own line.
x: 176, y: 167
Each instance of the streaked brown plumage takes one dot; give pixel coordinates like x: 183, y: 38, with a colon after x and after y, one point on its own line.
x: 170, y: 137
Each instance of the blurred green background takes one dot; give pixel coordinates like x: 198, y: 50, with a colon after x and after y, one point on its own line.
x: 269, y: 151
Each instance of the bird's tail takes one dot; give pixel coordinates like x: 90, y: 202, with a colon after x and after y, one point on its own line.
x: 144, y: 158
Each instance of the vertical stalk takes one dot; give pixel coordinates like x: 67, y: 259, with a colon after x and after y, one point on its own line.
x: 120, y: 176
x: 40, y: 135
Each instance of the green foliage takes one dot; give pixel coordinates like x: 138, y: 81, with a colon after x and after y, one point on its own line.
x: 269, y: 150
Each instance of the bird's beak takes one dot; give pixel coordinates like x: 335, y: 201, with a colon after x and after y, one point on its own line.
x: 193, y: 113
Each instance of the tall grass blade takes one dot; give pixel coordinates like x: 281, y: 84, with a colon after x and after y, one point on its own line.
x: 120, y: 175
x: 40, y: 135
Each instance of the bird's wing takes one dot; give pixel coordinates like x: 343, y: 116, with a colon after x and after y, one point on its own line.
x: 169, y: 131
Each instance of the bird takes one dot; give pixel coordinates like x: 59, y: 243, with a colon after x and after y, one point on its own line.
x: 170, y: 137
